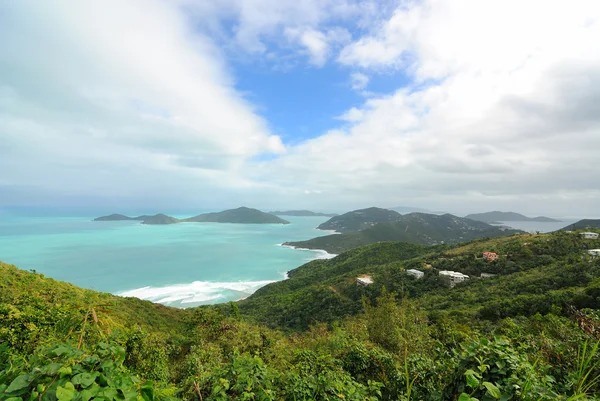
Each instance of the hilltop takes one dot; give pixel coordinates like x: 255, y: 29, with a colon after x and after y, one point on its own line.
x: 302, y: 213
x: 414, y: 228
x: 494, y: 217
x: 159, y: 219
x: 241, y: 215
x: 583, y: 224
x: 357, y: 220
x: 350, y: 342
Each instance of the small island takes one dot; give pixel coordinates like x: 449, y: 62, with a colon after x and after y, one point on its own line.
x: 495, y: 217
x: 241, y: 215
x: 302, y: 213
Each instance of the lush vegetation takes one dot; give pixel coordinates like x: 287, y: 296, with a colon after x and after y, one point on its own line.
x: 584, y: 224
x: 357, y: 220
x: 414, y: 228
x: 530, y: 333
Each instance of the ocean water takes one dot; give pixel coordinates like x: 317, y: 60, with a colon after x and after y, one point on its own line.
x: 180, y: 265
x: 542, y: 227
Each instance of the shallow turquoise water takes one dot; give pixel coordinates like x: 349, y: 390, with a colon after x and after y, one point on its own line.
x: 181, y: 264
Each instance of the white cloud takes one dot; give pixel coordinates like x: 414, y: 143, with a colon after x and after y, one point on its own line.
x: 359, y: 81
x: 502, y: 111
x: 98, y: 91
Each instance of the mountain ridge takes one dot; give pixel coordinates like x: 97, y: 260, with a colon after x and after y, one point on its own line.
x: 497, y: 216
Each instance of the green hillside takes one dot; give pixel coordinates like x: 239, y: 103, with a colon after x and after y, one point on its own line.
x: 527, y: 334
x: 357, y: 220
x: 584, y: 224
x: 415, y: 228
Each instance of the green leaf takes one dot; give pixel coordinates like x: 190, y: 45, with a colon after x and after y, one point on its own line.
x: 51, y: 369
x: 65, y: 393
x: 90, y: 392
x: 19, y: 383
x: 464, y: 397
x: 60, y: 350
x: 14, y: 399
x: 472, y: 381
x: 65, y: 371
x: 493, y: 390
x: 84, y: 379
x: 148, y: 391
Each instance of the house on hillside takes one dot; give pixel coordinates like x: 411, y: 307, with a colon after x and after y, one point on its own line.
x: 487, y: 275
x: 417, y: 273
x: 364, y: 280
x: 454, y: 277
x: 589, y: 235
x: 490, y: 256
x: 594, y: 252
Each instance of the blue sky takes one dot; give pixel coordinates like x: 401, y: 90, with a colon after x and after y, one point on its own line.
x: 329, y: 105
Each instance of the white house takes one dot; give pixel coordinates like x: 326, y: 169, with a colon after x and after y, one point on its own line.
x: 414, y: 272
x: 589, y: 235
x: 487, y: 275
x: 364, y: 280
x: 594, y: 252
x: 455, y: 277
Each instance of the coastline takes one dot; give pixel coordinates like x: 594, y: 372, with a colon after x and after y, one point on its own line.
x: 323, y: 253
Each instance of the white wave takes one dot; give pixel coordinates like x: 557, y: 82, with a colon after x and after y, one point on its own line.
x: 197, y: 292
x: 320, y: 253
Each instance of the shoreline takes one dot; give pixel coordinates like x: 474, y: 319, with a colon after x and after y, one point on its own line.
x: 324, y: 253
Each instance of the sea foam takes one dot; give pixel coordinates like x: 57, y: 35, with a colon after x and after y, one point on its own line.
x: 197, y: 292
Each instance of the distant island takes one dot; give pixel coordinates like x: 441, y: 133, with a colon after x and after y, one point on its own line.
x: 145, y: 219
x: 583, y: 224
x: 414, y: 228
x: 303, y: 213
x: 361, y: 219
x: 241, y: 215
x: 496, y: 216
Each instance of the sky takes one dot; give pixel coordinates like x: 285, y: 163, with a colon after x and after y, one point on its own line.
x: 455, y: 105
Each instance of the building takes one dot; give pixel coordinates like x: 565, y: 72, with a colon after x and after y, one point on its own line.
x: 454, y: 277
x: 487, y: 275
x: 414, y: 272
x: 490, y: 256
x: 589, y: 235
x: 364, y: 280
x: 594, y: 252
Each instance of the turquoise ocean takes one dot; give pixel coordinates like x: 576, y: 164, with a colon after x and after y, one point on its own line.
x: 181, y: 265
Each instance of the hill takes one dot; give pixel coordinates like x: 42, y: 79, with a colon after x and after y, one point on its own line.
x: 145, y: 219
x: 535, y: 273
x: 583, y: 224
x: 492, y: 217
x: 414, y: 228
x: 115, y: 217
x: 357, y: 220
x: 301, y: 213
x: 242, y: 215
x: 521, y: 332
x: 159, y: 219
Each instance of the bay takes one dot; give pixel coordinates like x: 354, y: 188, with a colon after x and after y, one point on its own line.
x: 182, y: 265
